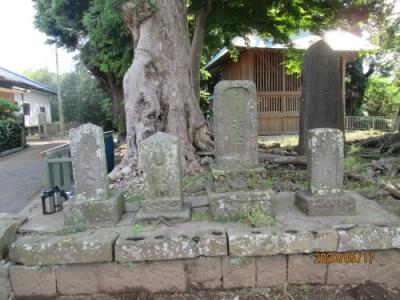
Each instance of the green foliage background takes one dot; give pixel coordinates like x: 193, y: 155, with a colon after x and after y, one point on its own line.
x: 10, y: 131
x: 83, y: 101
x: 382, y: 97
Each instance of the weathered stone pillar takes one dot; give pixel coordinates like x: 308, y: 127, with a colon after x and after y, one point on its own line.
x: 238, y: 180
x: 325, y: 195
x: 93, y: 202
x: 321, y: 104
x: 43, y: 130
x: 159, y: 159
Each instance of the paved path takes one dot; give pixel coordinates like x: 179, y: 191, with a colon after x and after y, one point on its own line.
x: 22, y: 176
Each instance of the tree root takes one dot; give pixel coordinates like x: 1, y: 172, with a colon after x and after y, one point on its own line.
x: 203, y: 139
x: 388, y: 186
x: 282, y: 160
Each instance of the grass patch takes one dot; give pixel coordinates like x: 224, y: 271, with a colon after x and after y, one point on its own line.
x: 285, y: 141
x: 284, y: 179
x: 291, y: 141
x: 137, y: 228
x: 195, y: 183
x: 361, y: 134
x: 358, y: 186
x: 253, y: 217
x: 200, y: 216
x: 353, y: 158
x: 134, y: 197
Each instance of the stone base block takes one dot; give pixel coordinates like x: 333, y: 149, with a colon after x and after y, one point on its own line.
x: 33, y: 282
x: 168, y: 244
x: 228, y: 205
x: 339, y: 204
x: 238, y: 180
x: 161, y: 205
x: 79, y: 211
x: 5, y: 284
x: 154, y: 277
x: 83, y: 247
x: 204, y: 273
x: 271, y: 270
x: 238, y: 272
x: 181, y: 215
x: 302, y: 269
x: 385, y: 268
x: 347, y: 273
x: 9, y: 225
x: 77, y: 279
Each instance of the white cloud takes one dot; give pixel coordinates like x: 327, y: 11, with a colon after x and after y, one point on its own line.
x: 22, y: 46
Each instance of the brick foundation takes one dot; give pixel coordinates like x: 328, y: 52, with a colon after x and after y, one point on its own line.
x: 202, y: 273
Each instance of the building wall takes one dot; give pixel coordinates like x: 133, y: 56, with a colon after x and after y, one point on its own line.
x: 7, y: 96
x: 278, y: 93
x: 36, y: 100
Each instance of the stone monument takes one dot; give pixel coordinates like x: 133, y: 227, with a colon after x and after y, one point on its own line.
x: 325, y: 195
x: 43, y: 130
x: 237, y: 181
x: 159, y: 158
x: 93, y: 202
x: 321, y: 104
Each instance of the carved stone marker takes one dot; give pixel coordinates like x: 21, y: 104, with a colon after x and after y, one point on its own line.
x: 235, y: 131
x: 159, y: 158
x: 93, y: 202
x: 238, y: 181
x: 325, y: 195
x: 43, y: 130
x: 321, y: 104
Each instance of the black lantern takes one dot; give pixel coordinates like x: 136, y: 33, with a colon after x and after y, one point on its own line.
x: 48, y: 203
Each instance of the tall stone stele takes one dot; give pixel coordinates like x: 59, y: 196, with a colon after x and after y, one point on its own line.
x: 321, y: 104
x: 325, y: 195
x: 238, y: 182
x: 93, y: 202
x: 159, y: 159
x: 43, y: 129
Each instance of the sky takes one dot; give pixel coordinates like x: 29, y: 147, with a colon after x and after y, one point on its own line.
x: 22, y: 46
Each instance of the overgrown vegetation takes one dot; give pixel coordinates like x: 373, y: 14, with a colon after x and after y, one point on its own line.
x: 195, y: 184
x: 382, y: 97
x: 10, y: 131
x: 254, y: 217
x: 200, y: 216
x: 83, y: 101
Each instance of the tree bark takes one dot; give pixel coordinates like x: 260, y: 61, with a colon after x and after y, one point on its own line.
x: 197, y: 44
x: 158, y: 87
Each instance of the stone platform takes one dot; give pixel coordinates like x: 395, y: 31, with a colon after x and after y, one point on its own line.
x: 208, y: 255
x: 338, y: 204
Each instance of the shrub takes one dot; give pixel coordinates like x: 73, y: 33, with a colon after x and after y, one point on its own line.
x: 7, y: 109
x: 382, y: 97
x: 10, y: 134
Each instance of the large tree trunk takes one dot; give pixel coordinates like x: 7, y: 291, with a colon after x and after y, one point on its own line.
x: 158, y: 87
x: 197, y: 44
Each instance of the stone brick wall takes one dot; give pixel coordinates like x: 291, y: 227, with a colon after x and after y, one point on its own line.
x: 182, y: 275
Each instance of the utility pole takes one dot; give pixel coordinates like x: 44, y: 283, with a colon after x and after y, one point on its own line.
x: 60, y: 106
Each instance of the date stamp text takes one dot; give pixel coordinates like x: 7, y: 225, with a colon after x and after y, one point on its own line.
x: 366, y: 257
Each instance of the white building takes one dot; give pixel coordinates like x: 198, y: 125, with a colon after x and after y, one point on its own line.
x: 32, y: 96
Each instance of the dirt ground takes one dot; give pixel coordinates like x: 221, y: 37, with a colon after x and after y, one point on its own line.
x: 366, y: 291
